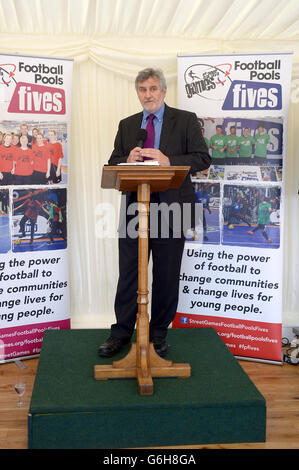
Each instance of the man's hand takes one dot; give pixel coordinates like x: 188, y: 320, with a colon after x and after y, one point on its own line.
x: 155, y: 154
x: 135, y: 155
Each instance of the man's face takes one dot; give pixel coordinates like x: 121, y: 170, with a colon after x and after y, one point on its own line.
x: 150, y: 94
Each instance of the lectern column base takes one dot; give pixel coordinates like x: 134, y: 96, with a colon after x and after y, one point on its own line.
x: 127, y: 368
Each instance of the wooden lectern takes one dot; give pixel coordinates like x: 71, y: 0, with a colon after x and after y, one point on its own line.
x: 142, y: 361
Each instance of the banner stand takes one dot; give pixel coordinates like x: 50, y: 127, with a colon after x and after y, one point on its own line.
x: 231, y: 273
x: 264, y: 361
x: 35, y: 95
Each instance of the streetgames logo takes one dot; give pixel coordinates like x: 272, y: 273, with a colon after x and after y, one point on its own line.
x: 208, y: 81
x: 7, y: 72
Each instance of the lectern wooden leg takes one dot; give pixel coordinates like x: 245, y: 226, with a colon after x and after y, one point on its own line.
x: 142, y: 361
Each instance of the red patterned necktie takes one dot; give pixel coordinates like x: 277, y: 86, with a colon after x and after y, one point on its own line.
x: 150, y: 139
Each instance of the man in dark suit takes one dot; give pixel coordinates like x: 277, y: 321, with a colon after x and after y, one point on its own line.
x: 177, y: 141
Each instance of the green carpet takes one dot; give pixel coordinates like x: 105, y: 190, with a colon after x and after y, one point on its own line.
x: 69, y: 409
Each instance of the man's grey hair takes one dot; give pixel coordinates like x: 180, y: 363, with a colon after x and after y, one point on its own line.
x: 147, y: 73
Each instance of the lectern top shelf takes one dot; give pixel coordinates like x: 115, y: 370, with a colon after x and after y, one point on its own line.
x: 127, y: 177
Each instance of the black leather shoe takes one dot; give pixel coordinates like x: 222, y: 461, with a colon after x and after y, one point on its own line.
x: 112, y: 346
x: 160, y: 346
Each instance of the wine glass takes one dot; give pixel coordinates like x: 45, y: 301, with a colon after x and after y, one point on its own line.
x: 20, y: 388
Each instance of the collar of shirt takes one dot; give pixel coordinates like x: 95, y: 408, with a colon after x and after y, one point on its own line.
x: 159, y: 114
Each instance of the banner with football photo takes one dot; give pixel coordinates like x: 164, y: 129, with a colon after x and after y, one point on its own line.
x: 231, y: 274
x: 35, y: 110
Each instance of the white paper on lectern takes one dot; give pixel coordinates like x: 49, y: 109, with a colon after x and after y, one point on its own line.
x: 141, y: 163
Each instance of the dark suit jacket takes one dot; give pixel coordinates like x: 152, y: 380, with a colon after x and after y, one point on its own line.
x: 181, y: 141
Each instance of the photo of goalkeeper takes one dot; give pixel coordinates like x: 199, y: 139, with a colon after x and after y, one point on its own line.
x: 264, y: 211
x: 251, y: 216
x: 56, y: 221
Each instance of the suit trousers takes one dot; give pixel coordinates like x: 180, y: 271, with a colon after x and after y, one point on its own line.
x: 166, y: 260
